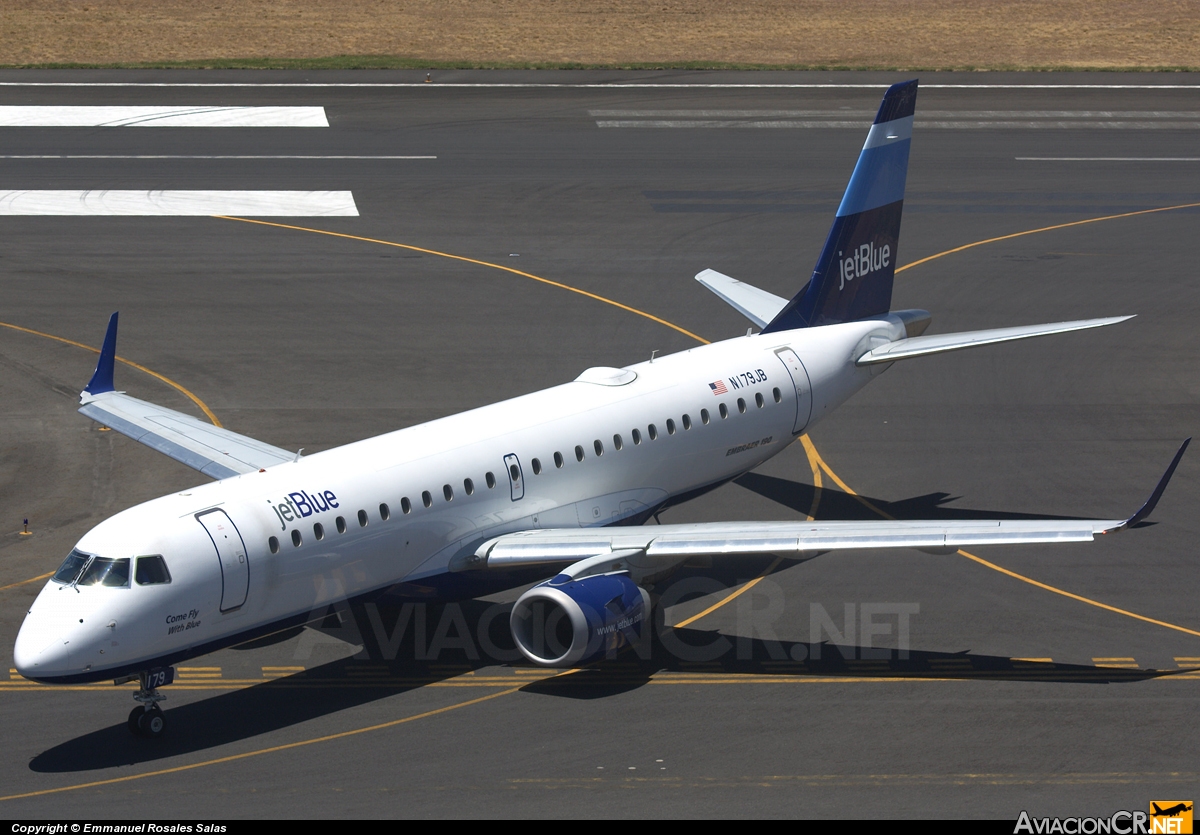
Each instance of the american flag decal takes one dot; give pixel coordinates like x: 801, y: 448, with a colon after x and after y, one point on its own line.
x: 718, y: 388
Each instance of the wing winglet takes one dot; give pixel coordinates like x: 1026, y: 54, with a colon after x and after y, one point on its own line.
x: 212, y: 450
x: 1148, y: 508
x: 102, y: 377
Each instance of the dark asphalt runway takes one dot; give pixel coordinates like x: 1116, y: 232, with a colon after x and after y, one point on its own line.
x: 308, y: 340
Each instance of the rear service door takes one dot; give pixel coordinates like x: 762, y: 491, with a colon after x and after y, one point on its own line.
x: 231, y: 553
x: 803, y: 387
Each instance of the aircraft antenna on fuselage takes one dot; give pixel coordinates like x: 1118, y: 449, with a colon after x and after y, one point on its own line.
x: 853, y: 276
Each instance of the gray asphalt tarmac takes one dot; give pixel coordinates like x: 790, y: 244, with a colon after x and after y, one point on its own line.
x: 995, y: 695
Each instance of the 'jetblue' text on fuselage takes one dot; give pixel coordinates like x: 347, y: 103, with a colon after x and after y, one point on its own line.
x: 300, y: 505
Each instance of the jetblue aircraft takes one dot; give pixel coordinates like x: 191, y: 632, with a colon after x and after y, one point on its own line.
x: 556, y: 483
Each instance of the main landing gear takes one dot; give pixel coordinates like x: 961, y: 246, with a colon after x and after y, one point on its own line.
x: 147, y: 719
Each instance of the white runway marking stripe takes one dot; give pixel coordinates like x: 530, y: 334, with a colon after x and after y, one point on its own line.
x: 97, y: 116
x: 179, y: 203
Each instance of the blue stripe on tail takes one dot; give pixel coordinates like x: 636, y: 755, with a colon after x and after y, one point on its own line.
x: 853, y: 276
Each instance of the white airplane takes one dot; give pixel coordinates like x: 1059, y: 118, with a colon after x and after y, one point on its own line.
x: 558, y: 481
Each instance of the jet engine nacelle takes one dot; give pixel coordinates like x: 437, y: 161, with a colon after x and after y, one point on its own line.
x: 563, y: 621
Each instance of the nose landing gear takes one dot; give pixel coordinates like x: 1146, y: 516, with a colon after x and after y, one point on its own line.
x: 147, y: 719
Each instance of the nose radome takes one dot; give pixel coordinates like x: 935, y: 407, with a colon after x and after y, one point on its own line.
x: 41, y: 648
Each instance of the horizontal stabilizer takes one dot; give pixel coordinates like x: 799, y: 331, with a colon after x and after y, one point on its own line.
x: 920, y: 346
x: 759, y: 306
x: 214, y: 451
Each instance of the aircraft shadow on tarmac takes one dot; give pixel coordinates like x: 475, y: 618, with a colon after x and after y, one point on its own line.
x: 836, y: 505
x: 324, y: 690
x: 759, y: 661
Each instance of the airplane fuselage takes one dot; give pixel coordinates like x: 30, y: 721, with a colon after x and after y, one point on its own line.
x: 263, y: 549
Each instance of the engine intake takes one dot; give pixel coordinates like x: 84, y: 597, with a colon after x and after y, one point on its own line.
x: 564, y: 622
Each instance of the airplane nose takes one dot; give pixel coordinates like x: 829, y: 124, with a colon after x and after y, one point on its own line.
x: 43, y: 647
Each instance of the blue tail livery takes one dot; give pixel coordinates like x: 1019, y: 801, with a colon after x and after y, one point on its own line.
x: 853, y: 276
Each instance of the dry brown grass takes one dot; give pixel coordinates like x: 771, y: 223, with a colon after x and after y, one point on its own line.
x: 854, y: 33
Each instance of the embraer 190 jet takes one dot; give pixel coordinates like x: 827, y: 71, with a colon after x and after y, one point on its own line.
x: 557, y: 483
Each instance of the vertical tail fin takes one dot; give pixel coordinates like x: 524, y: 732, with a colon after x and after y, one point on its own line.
x: 853, y: 276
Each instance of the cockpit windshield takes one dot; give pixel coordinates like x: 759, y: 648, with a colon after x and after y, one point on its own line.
x: 69, y: 571
x: 102, y: 571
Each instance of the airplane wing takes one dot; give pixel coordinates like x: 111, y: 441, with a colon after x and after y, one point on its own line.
x: 212, y: 450
x: 643, y: 547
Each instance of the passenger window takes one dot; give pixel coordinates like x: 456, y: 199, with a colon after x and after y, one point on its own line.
x: 296, y: 539
x: 340, y: 522
x: 362, y: 519
x: 637, y: 437
x: 558, y: 460
x: 102, y: 571
x: 758, y: 400
x: 652, y: 431
x: 687, y: 422
x: 152, y: 571
x: 272, y: 543
x: 670, y: 427
x: 778, y: 395
x: 489, y: 478
x: 704, y: 416
x: 448, y: 492
x: 469, y: 486
x: 319, y: 531
x: 617, y: 442
x: 426, y: 498
x: 515, y: 472
x: 405, y: 506
x: 385, y: 512
x: 537, y: 466
x: 599, y: 447
x: 741, y: 405
x: 578, y: 453
x: 724, y: 412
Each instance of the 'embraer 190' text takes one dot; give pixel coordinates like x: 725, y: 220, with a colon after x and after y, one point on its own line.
x: 863, y: 261
x: 300, y: 504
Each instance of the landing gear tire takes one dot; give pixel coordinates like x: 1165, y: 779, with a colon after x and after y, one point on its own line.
x: 150, y: 723
x: 147, y: 718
